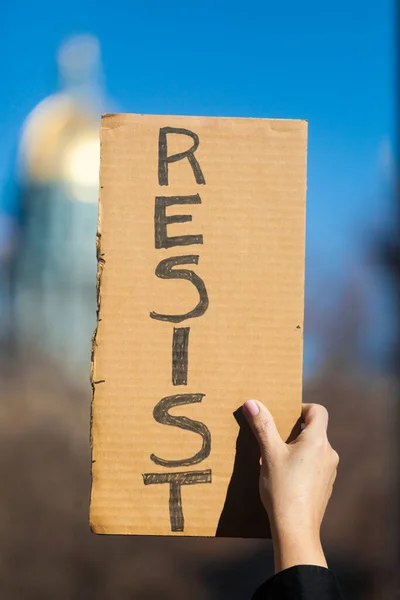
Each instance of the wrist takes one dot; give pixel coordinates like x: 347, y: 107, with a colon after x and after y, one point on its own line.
x: 296, y: 545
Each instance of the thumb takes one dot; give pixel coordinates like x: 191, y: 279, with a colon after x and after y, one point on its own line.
x: 263, y: 425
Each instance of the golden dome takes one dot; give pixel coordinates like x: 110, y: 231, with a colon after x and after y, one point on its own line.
x: 51, y: 132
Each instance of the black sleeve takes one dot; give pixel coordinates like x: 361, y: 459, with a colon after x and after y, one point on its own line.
x: 302, y: 582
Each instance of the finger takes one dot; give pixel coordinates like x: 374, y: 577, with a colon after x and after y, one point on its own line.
x: 315, y: 418
x: 263, y: 425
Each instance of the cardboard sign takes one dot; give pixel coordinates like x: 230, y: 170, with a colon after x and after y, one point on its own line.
x: 200, y: 308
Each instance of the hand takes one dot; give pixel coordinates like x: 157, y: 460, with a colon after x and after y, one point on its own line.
x: 296, y: 482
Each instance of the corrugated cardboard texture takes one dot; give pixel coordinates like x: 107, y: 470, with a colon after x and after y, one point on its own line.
x: 250, y: 177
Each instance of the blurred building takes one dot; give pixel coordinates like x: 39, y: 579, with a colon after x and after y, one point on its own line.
x: 53, y: 274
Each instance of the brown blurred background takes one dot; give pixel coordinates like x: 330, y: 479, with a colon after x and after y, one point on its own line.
x: 47, y: 271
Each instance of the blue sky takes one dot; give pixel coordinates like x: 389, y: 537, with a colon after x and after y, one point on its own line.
x: 330, y: 63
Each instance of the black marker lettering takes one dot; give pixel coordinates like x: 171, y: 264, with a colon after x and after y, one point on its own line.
x: 164, y: 159
x: 162, y: 416
x: 165, y: 270
x: 180, y: 341
x: 180, y: 344
x: 176, y: 481
x: 161, y: 221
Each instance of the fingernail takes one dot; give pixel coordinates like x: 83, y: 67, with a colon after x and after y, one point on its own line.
x: 251, y: 408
